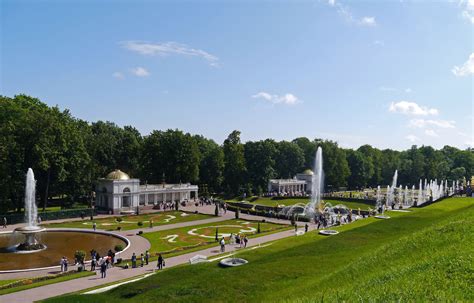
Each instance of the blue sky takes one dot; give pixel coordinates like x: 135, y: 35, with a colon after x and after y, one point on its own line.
x: 386, y: 73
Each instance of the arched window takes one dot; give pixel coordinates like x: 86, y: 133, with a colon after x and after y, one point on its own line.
x: 126, y: 198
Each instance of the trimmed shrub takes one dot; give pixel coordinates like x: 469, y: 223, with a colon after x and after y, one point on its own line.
x: 118, y: 247
x: 140, y: 223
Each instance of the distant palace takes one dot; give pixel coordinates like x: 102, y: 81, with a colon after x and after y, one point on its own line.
x: 118, y: 193
x: 299, y: 185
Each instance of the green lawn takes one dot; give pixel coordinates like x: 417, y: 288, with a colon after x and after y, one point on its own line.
x: 131, y: 222
x: 424, y: 255
x: 187, y: 239
x: 27, y: 283
x: 269, y: 201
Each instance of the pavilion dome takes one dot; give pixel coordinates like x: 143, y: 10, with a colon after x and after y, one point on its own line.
x: 308, y: 172
x: 117, y: 175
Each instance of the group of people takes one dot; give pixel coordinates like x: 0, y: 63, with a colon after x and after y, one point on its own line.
x: 103, y: 263
x: 145, y: 260
x: 64, y: 263
x: 239, y: 239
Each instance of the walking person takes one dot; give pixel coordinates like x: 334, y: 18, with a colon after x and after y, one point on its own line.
x: 62, y: 264
x: 222, y: 245
x: 246, y: 240
x: 142, y: 260
x: 160, y: 263
x: 103, y: 269
x: 134, y: 261
x: 306, y: 228
x: 65, y: 264
x: 147, y: 257
x: 93, y: 263
x: 4, y: 222
x: 94, y: 226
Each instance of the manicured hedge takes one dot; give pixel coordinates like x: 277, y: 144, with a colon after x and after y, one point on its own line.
x: 50, y: 215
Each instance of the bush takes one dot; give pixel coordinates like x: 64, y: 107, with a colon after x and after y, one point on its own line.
x: 118, y: 220
x: 79, y: 255
x: 140, y: 232
x: 140, y: 223
x: 119, y: 227
x: 118, y: 247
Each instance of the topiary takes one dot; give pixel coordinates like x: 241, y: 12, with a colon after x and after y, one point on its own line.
x: 118, y: 220
x: 118, y: 247
x: 140, y: 223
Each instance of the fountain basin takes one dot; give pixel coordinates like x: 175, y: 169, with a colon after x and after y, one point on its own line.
x: 382, y: 217
x: 58, y: 243
x: 233, y: 262
x: 328, y: 232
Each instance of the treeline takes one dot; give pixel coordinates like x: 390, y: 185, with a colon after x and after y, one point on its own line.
x: 68, y: 154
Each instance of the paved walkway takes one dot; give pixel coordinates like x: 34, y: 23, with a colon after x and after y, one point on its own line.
x: 117, y: 274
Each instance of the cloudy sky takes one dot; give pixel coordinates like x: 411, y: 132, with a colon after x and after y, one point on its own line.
x: 387, y: 73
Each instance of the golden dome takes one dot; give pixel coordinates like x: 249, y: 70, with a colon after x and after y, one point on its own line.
x: 308, y: 172
x: 117, y: 175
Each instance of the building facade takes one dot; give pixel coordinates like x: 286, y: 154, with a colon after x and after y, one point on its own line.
x: 118, y: 193
x: 300, y: 184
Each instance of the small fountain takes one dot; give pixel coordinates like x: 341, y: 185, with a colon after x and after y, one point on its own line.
x: 30, y: 231
x: 233, y: 262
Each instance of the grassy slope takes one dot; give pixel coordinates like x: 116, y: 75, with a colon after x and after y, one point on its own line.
x: 418, y: 256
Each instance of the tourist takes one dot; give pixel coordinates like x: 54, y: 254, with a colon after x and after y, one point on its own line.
x: 62, y: 264
x: 232, y: 239
x: 161, y: 262
x: 134, y: 261
x: 246, y: 240
x: 4, y: 222
x: 306, y: 228
x: 222, y: 245
x: 103, y: 269
x: 147, y: 257
x: 39, y: 220
x: 93, y: 263
x: 94, y: 226
x: 237, y: 239
x: 142, y: 260
x: 65, y: 264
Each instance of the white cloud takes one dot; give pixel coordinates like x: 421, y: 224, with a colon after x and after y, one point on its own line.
x: 408, y: 90
x: 346, y: 13
x: 411, y: 108
x: 466, y: 69
x: 422, y: 123
x: 379, y: 43
x: 288, y: 99
x: 140, y: 72
x: 431, y: 133
x: 368, y: 21
x: 468, y: 10
x: 118, y: 75
x: 412, y: 138
x: 169, y: 48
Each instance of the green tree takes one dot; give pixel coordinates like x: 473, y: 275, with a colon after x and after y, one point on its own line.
x: 234, y: 163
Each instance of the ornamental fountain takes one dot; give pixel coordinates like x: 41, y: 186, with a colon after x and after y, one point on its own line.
x: 31, y: 230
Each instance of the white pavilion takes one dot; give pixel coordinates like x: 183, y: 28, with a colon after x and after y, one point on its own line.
x: 301, y: 183
x: 118, y: 193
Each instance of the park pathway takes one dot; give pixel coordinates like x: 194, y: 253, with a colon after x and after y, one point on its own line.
x: 116, y: 274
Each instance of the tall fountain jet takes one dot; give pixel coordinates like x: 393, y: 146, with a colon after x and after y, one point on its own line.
x: 391, y: 189
x: 31, y: 211
x: 420, y: 194
x: 30, y: 231
x: 317, y: 184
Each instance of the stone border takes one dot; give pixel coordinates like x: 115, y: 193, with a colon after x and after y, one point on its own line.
x: 125, y: 239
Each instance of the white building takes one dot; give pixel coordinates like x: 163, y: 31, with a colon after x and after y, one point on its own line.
x: 301, y: 183
x: 117, y: 192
